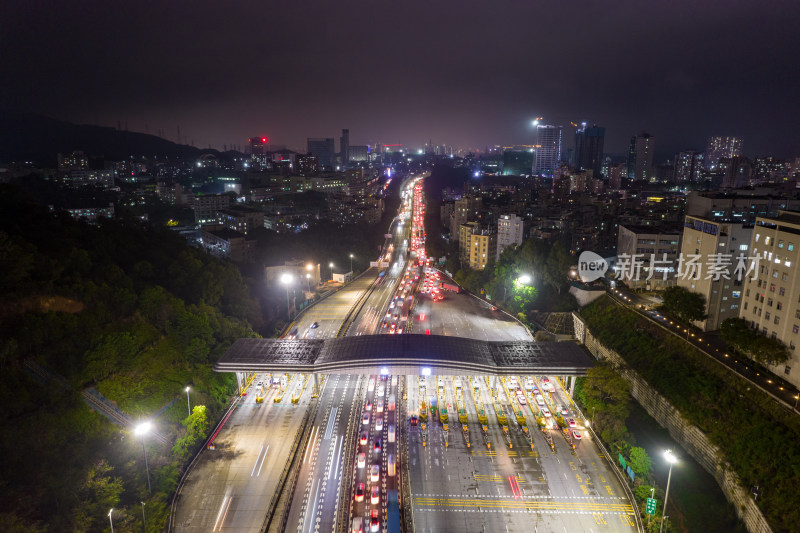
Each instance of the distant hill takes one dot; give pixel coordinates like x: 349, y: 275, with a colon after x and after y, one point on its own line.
x: 29, y: 137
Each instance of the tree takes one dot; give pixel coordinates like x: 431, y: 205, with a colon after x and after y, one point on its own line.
x: 755, y: 345
x: 606, y: 390
x: 685, y: 305
x: 196, y: 430
x: 640, y: 462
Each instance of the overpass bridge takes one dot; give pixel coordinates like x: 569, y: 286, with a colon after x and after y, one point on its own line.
x: 408, y: 354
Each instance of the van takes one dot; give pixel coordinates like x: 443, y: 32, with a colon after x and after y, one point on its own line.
x: 392, y: 466
x: 391, y: 433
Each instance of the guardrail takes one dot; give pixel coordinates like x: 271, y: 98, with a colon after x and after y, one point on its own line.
x: 620, y: 475
x: 291, y: 467
x: 171, y: 523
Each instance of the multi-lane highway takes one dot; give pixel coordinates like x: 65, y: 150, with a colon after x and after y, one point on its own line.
x: 481, y: 454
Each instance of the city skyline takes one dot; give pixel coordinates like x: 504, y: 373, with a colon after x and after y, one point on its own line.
x: 396, y: 76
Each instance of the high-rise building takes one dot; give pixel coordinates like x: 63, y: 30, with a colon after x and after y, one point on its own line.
x: 735, y: 171
x: 344, y: 145
x: 306, y: 165
x: 258, y: 150
x: 650, y: 256
x: 589, y: 148
x: 358, y: 153
x: 517, y: 162
x: 719, y: 147
x: 688, y: 166
x: 509, y: 232
x: 466, y: 209
x: 548, y: 155
x: 640, y: 157
x: 476, y: 245
x: 771, y: 292
x: 707, y: 238
x: 324, y: 149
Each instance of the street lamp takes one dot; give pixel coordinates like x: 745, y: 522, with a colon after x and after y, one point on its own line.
x: 351, y: 263
x: 144, y: 520
x: 142, y: 429
x: 524, y: 279
x: 330, y: 265
x: 671, y: 459
x: 110, y: 519
x: 188, y: 403
x: 286, y: 279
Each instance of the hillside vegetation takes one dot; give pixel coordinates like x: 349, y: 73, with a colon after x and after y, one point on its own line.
x: 132, y: 312
x: 759, y: 439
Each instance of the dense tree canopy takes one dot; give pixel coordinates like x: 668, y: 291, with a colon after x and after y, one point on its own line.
x: 131, y: 312
x: 684, y: 305
x: 753, y: 343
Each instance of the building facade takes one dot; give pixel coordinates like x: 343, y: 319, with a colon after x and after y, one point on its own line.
x: 324, y: 149
x: 509, y: 232
x: 719, y: 147
x: 640, y: 157
x: 688, y: 166
x: 647, y: 256
x: 724, y: 243
x: 589, y: 148
x: 772, y: 294
x: 548, y: 155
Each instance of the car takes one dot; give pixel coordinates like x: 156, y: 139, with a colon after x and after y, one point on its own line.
x: 259, y: 383
x: 381, y: 390
x: 546, y: 412
x: 392, y: 402
x: 414, y: 420
x: 539, y: 399
x: 571, y: 423
x: 564, y: 411
x: 371, y: 385
x: 376, y: 447
x: 375, y: 497
x: 392, y: 433
x: 379, y: 405
x: 357, y: 525
x: 378, y: 424
x: 494, y: 308
x: 399, y: 331
x: 365, y: 420
x: 360, y: 490
x: 315, y: 325
x: 521, y: 399
x: 391, y: 467
x: 368, y: 406
x: 374, y: 521
x: 385, y: 324
x: 374, y: 473
x: 391, y: 305
x: 362, y: 460
x: 576, y: 435
x: 363, y: 439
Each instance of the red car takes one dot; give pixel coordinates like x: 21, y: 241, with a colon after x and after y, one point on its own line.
x: 360, y: 492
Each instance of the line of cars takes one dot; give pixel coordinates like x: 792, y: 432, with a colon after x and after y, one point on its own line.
x: 548, y: 388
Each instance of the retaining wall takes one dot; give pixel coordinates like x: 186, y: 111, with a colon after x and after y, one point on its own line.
x: 691, y: 438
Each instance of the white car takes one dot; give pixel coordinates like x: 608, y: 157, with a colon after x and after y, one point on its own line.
x: 546, y: 412
x: 379, y: 406
x: 521, y: 399
x: 374, y: 473
x: 362, y: 460
x: 391, y: 433
x: 378, y: 424
x: 365, y: 420
x: 539, y: 400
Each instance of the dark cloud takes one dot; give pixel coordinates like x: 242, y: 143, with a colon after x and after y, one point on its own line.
x: 466, y: 73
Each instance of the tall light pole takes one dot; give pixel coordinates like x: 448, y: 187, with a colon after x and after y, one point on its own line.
x: 110, y: 520
x: 188, y: 403
x: 330, y: 265
x: 144, y: 520
x: 308, y: 282
x: 141, y: 430
x: 351, y: 263
x: 286, y: 279
x: 671, y: 459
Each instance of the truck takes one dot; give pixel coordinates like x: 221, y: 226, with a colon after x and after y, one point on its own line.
x: 449, y: 287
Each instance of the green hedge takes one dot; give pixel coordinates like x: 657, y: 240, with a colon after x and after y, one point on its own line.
x: 759, y: 439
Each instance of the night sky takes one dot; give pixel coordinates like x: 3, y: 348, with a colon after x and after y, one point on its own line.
x: 464, y: 73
